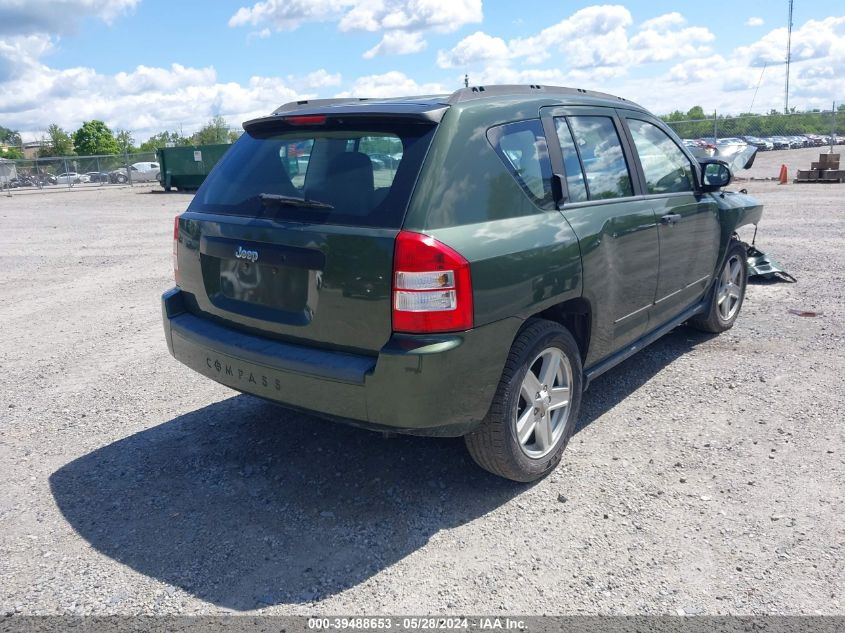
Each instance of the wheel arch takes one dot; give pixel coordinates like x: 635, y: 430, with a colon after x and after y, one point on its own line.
x: 576, y: 315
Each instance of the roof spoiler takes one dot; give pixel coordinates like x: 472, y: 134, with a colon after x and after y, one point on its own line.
x: 341, y: 110
x: 420, y: 108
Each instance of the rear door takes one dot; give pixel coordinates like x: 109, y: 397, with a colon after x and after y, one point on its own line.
x: 292, y: 234
x: 688, y: 220
x: 616, y: 228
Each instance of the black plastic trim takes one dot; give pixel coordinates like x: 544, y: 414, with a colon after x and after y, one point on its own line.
x: 339, y: 366
x: 594, y: 371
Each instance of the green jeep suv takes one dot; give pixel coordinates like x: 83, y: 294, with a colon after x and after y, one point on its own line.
x: 452, y: 265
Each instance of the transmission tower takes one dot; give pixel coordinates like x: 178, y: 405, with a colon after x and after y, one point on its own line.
x: 788, y: 60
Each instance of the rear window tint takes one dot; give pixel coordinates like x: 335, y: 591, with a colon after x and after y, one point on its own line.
x: 522, y: 148
x: 365, y: 175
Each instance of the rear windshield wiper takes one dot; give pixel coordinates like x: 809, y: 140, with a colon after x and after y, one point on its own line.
x: 274, y: 199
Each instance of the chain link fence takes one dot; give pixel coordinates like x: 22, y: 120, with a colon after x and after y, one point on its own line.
x: 767, y: 131
x: 775, y: 131
x: 73, y: 172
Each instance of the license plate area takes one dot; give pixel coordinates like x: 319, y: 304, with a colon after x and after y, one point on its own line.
x: 262, y: 281
x: 280, y: 287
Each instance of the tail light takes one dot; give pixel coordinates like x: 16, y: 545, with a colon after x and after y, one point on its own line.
x: 176, y: 249
x: 306, y: 119
x: 432, y: 288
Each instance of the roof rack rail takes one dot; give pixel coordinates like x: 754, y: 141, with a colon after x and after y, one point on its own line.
x: 476, y: 92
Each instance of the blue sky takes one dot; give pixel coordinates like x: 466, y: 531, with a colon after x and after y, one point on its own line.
x: 148, y: 65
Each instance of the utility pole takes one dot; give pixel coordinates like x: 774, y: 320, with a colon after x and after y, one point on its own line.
x: 788, y: 59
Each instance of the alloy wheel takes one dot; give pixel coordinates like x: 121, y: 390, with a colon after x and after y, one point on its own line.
x: 730, y: 288
x: 542, y: 409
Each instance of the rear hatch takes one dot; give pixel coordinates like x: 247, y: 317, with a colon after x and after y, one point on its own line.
x: 292, y: 234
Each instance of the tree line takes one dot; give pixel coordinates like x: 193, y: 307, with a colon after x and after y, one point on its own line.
x: 695, y: 123
x: 95, y: 138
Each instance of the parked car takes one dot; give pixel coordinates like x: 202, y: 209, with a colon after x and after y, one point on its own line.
x: 731, y: 140
x: 98, y: 176
x: 779, y: 142
x: 383, y: 161
x: 797, y: 142
x: 499, y: 273
x: 68, y: 178
x: 760, y: 143
x: 140, y: 172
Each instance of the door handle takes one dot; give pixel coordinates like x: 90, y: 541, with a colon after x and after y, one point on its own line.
x: 670, y: 218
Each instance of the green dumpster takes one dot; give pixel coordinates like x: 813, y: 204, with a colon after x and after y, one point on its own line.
x: 186, y: 167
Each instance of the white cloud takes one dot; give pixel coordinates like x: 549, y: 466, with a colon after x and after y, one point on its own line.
x: 698, y: 69
x: 662, y: 39
x: 594, y: 48
x: 730, y: 80
x: 504, y: 74
x: 390, y: 84
x: 19, y: 54
x: 19, y: 17
x: 478, y: 47
x: 401, y: 21
x: 397, y: 43
x: 595, y: 38
x: 145, y: 100
x: 664, y: 22
x: 754, y: 21
x: 318, y: 79
x: 149, y: 79
x: 362, y: 15
x: 261, y: 34
x: 701, y: 72
x: 286, y: 15
x: 815, y: 39
x: 411, y: 15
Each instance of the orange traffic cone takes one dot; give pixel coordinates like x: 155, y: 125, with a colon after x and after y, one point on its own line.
x: 783, y: 179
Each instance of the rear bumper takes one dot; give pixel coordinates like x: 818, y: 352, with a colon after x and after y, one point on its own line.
x: 423, y: 385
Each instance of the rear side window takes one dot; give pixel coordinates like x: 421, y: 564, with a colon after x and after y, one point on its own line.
x: 328, y: 174
x: 665, y: 166
x: 601, y: 154
x: 522, y: 148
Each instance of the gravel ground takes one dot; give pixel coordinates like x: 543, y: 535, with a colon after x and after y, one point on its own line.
x: 706, y: 476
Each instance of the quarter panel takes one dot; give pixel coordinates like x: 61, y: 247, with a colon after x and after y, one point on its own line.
x: 519, y: 266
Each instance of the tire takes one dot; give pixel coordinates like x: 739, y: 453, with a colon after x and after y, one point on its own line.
x: 495, y: 444
x: 729, y: 286
x: 121, y: 179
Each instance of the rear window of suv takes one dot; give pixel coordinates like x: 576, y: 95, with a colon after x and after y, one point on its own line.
x: 521, y: 146
x: 343, y: 175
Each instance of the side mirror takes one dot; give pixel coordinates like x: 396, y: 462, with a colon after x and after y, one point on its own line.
x: 714, y: 175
